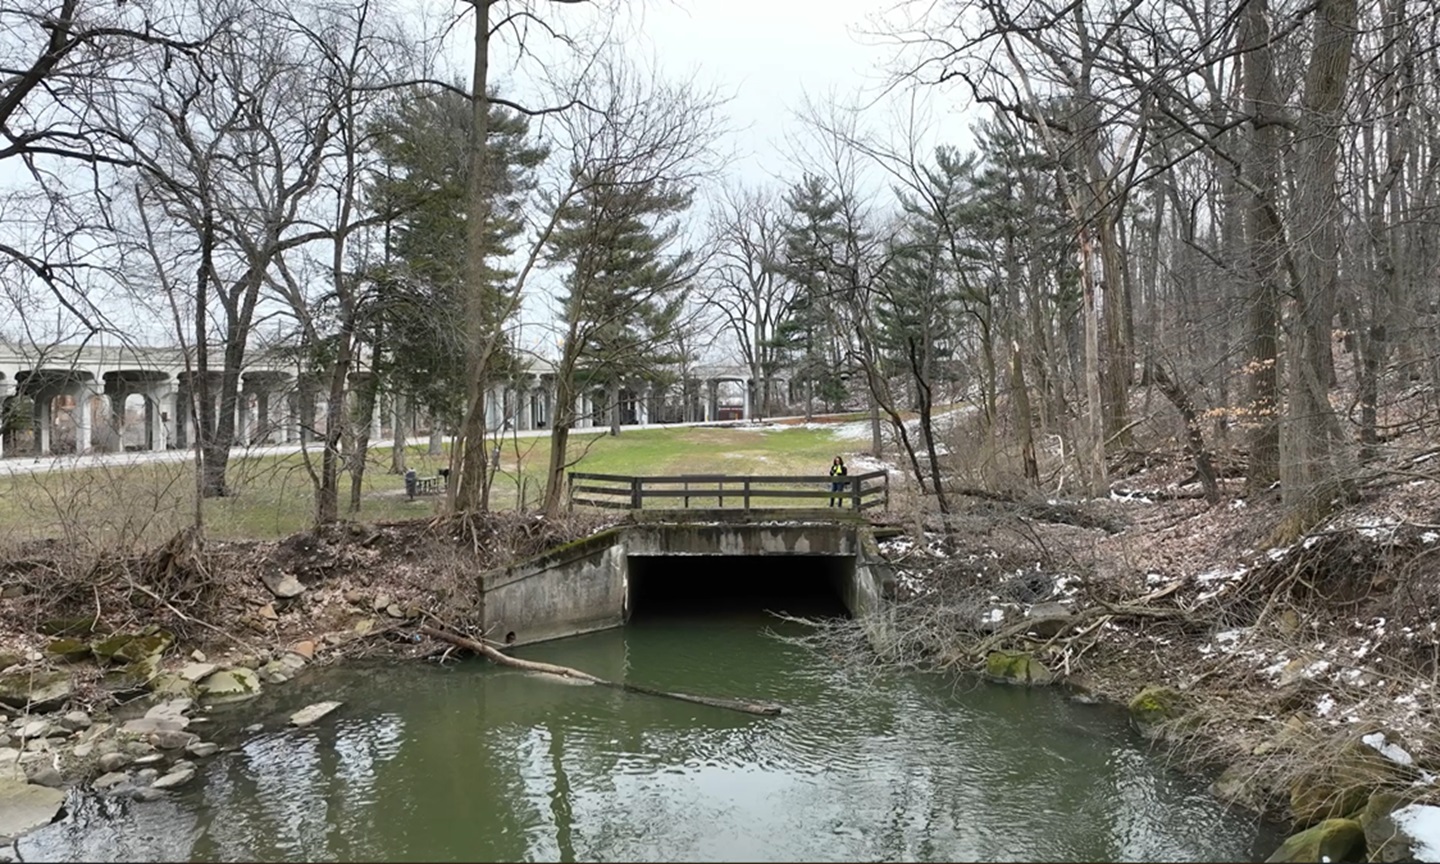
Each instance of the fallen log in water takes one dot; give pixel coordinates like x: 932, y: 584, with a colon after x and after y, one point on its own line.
x: 496, y: 656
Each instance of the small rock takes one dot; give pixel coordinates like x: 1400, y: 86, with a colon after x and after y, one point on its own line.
x: 146, y: 775
x: 304, y: 649
x: 149, y: 759
x: 202, y: 749
x: 382, y: 602
x: 35, y: 729
x: 364, y: 625
x: 171, y: 739
x: 146, y: 793
x: 193, y: 672
x: 281, y: 584
x: 197, y: 655
x: 311, y: 713
x: 111, y: 762
x: 174, y: 778
x: 76, y: 720
x: 82, y: 751
x: 334, y: 638
x: 268, y: 612
x: 182, y: 765
x: 111, y: 778
x: 355, y: 596
x: 253, y: 728
x: 273, y: 676
x: 46, y: 775
x: 395, y: 611
x: 37, y: 745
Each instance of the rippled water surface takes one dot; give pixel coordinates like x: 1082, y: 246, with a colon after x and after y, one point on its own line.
x: 477, y: 763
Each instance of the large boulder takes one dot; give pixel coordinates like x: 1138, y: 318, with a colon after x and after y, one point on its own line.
x: 1017, y: 667
x: 1331, y: 840
x: 310, y: 714
x: 26, y: 806
x: 1049, y: 619
x: 281, y: 584
x: 1397, y: 831
x: 230, y: 685
x: 39, y: 691
x: 67, y: 649
x: 1341, y: 783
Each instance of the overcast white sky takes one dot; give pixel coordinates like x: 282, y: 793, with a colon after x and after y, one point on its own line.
x: 765, y: 55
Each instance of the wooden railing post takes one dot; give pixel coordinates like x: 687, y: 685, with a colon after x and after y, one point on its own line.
x: 855, y: 494
x: 635, y: 493
x: 747, y: 494
x: 887, y: 491
x: 570, y: 491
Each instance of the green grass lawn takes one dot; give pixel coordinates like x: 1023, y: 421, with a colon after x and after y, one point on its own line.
x: 272, y: 496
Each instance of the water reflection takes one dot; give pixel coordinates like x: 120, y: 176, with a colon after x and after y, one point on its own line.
x: 478, y: 763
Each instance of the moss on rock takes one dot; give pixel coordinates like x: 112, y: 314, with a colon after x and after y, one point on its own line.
x: 68, y: 649
x: 1331, y: 840
x: 1341, y: 785
x: 1154, y: 706
x: 1017, y: 667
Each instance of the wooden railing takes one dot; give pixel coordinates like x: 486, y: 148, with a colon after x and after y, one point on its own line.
x: 622, y: 492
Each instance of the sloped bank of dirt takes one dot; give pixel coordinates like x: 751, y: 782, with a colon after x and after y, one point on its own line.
x: 1307, y: 672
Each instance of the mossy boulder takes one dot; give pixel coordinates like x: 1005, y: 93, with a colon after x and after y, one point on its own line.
x: 67, y: 649
x: 1341, y: 784
x: 8, y: 659
x: 171, y: 684
x: 40, y: 691
x: 105, y: 649
x: 143, y: 647
x: 1017, y: 667
x: 1331, y: 840
x: 230, y: 685
x: 1154, y: 706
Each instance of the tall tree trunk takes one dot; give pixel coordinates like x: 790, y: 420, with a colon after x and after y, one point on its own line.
x: 401, y: 425
x: 366, y: 404
x: 480, y: 338
x: 612, y: 393
x: 437, y: 438
x: 1308, y: 469
x: 1264, y: 237
x: 563, y: 420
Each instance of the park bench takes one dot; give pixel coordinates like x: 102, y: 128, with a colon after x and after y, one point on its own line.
x: 416, y: 485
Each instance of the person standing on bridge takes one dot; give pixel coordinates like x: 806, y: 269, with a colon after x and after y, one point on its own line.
x: 837, y: 469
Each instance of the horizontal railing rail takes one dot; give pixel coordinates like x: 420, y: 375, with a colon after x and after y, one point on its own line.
x: 631, y: 492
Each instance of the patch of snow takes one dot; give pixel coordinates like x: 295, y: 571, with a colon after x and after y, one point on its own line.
x: 1310, y: 541
x: 1422, y: 823
x: 1237, y: 504
x: 1324, y: 705
x: 1153, y: 578
x: 1315, y: 668
x: 1276, y: 668
x: 994, y: 616
x: 1230, y: 635
x: 1394, y: 752
x: 1429, y: 537
x: 1278, y: 552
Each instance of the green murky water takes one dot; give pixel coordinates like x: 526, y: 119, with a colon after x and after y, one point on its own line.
x: 475, y: 763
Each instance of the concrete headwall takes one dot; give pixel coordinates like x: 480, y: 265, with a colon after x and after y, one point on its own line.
x: 573, y: 589
x: 582, y: 586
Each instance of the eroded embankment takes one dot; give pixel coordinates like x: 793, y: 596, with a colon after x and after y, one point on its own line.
x: 108, y: 664
x: 1305, y: 673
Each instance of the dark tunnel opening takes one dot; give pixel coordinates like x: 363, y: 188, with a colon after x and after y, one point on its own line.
x: 806, y: 585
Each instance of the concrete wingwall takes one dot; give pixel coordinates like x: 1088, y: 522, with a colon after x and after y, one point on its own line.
x: 583, y: 586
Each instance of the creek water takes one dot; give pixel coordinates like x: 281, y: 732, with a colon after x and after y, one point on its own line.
x: 472, y: 762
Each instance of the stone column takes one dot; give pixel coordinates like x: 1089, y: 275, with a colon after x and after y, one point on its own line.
x: 747, y: 385
x: 522, y: 406
x: 712, y: 401
x: 42, y: 422
x: 82, y: 416
x: 642, y: 404
x: 377, y: 417
x: 167, y: 402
